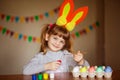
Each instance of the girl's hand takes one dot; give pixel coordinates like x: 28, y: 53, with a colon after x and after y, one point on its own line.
x: 52, y: 65
x: 79, y: 58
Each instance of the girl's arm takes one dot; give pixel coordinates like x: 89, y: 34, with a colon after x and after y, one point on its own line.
x: 83, y: 62
x: 80, y: 59
x: 76, y: 60
x: 34, y: 66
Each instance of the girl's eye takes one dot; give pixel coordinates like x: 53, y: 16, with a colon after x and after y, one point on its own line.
x: 54, y: 38
x: 62, y: 42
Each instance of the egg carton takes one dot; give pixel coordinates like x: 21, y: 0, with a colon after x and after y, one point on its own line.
x: 93, y: 71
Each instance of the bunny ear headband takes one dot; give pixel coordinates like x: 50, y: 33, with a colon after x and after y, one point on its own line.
x: 68, y: 18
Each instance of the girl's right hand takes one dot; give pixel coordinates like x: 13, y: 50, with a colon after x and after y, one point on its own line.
x: 52, y: 65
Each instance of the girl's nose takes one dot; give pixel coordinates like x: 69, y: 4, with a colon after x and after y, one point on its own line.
x: 57, y: 42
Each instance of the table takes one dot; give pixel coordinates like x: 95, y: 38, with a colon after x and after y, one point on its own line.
x: 59, y: 76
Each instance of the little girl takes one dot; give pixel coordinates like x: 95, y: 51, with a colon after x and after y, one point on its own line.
x: 55, y: 54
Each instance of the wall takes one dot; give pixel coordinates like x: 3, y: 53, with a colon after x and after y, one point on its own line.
x: 112, y: 31
x: 15, y: 53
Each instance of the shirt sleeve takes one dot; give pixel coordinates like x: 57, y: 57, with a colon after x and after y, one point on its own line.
x: 85, y: 63
x: 69, y: 59
x: 34, y: 66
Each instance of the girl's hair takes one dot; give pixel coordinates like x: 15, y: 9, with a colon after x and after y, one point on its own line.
x: 55, y: 30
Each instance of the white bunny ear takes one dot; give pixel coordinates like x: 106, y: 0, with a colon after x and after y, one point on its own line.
x: 76, y: 18
x: 65, y: 10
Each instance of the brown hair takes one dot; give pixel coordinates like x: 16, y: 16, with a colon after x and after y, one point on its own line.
x: 55, y: 30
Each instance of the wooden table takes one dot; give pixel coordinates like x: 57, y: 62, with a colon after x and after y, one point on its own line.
x: 59, y: 76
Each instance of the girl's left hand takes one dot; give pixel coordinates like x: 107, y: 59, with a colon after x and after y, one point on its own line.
x: 78, y: 57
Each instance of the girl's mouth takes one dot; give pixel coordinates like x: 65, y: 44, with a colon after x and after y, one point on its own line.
x: 55, y: 46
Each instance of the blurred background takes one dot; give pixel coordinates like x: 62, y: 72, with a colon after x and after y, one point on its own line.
x: 21, y: 21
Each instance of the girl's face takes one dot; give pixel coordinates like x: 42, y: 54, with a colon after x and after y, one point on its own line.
x: 55, y: 43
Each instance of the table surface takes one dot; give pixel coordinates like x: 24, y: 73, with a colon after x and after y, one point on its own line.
x: 60, y: 76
